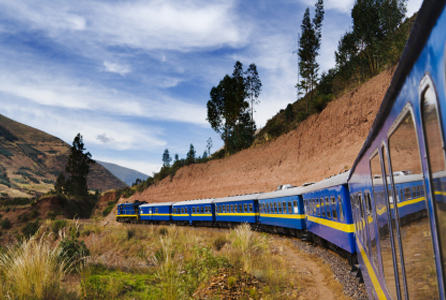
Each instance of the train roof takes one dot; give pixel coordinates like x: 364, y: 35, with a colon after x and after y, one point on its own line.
x: 282, y: 193
x: 195, y: 202
x: 157, y: 204
x: 326, y: 183
x: 424, y: 23
x: 238, y: 198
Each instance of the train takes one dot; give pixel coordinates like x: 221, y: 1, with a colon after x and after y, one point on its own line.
x: 387, y: 214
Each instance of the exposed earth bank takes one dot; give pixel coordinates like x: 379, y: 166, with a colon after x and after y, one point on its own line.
x: 323, y: 145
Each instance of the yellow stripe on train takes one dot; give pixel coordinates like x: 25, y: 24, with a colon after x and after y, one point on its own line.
x: 285, y: 216
x: 349, y: 228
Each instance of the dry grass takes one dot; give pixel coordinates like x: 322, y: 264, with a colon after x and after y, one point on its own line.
x: 32, y: 270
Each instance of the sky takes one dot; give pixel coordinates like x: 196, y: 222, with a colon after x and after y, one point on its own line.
x: 133, y: 77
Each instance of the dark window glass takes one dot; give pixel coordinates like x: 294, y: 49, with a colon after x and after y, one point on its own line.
x: 327, y: 207
x: 334, y: 208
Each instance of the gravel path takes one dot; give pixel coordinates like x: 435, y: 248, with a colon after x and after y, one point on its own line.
x: 340, y: 268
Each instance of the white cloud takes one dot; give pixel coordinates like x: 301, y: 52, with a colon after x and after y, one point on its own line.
x: 116, y: 68
x: 174, y: 24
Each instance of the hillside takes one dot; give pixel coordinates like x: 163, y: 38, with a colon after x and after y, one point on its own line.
x: 322, y: 145
x: 127, y: 175
x: 31, y: 159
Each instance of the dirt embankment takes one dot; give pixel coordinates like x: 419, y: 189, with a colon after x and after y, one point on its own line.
x: 323, y: 145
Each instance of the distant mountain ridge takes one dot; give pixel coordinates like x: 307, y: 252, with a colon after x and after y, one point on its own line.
x: 31, y: 160
x: 127, y: 175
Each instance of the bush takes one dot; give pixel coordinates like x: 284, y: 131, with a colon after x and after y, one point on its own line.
x: 8, y: 209
x: 58, y: 225
x: 30, y: 229
x: 52, y: 215
x: 219, y: 242
x: 73, y: 251
x: 23, y: 217
x: 6, y: 224
x: 163, y: 231
x: 34, y: 213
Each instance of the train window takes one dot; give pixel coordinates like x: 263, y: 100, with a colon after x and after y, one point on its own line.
x: 414, y: 192
x: 240, y: 208
x: 290, y: 207
x: 231, y: 208
x: 223, y: 208
x: 322, y: 207
x: 435, y: 156
x: 275, y: 207
x: 250, y: 208
x: 404, y: 156
x: 201, y: 208
x: 280, y: 207
x: 156, y: 210
x: 235, y: 208
x: 318, y: 207
x: 333, y: 208
x: 407, y: 194
x: 185, y: 210
x: 193, y: 209
x: 284, y: 207
x: 341, y: 211
x: 295, y: 207
x: 418, y: 191
x: 327, y: 207
x: 314, y: 206
x: 245, y: 207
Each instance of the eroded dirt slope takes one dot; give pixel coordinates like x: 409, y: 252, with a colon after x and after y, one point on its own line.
x: 323, y: 145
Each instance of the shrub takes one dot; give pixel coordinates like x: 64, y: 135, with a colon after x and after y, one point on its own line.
x: 131, y: 232
x: 73, y: 251
x: 1, y: 216
x: 163, y: 231
x: 34, y: 213
x: 52, y: 215
x: 219, y: 242
x: 8, y: 209
x: 30, y: 229
x: 23, y: 217
x: 58, y: 225
x: 6, y: 224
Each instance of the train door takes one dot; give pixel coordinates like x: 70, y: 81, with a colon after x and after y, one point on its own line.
x: 435, y: 162
x: 413, y: 234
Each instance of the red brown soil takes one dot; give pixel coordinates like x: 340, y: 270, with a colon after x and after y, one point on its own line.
x: 323, y: 145
x: 103, y: 203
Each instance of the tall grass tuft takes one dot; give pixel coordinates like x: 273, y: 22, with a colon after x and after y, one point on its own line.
x: 32, y: 270
x: 249, y: 243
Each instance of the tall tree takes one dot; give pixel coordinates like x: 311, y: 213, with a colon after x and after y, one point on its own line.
x: 78, y: 167
x: 253, y: 87
x: 166, y: 158
x: 190, y: 156
x: 309, y: 45
x: 60, y: 183
x: 228, y: 103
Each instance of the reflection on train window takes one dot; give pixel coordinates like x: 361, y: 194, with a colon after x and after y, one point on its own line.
x: 280, y: 207
x: 413, y: 219
x: 436, y: 160
x: 193, y: 209
x: 407, y: 194
x: 290, y: 208
x: 250, y: 208
x: 341, y: 211
x: 385, y: 246
x: 231, y: 208
x: 327, y: 207
x: 295, y: 207
x: 275, y: 207
x: 245, y: 207
x: 322, y: 207
x: 334, y: 208
x: 284, y: 207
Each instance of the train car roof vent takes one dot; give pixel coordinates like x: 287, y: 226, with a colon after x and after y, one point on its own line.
x: 284, y: 187
x: 308, y: 183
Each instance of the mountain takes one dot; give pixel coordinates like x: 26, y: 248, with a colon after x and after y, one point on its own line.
x: 31, y: 160
x: 127, y: 175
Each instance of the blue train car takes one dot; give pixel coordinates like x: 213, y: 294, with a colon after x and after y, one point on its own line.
x: 230, y: 211
x: 282, y: 211
x: 403, y: 247
x: 328, y: 213
x: 156, y: 213
x: 128, y: 212
x: 193, y: 212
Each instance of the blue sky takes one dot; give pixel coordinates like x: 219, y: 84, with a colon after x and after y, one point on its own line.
x: 133, y: 77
